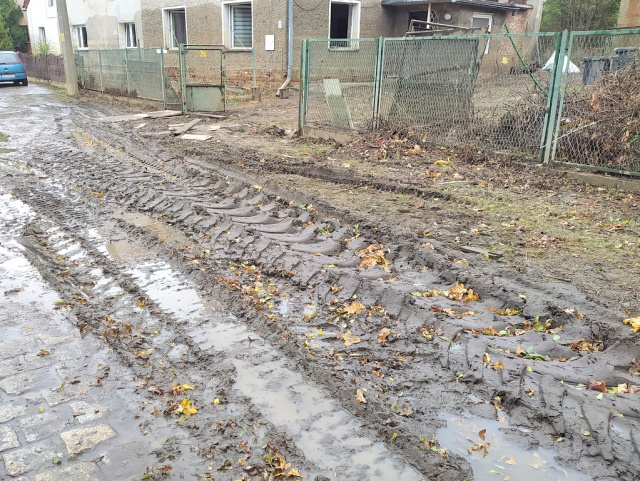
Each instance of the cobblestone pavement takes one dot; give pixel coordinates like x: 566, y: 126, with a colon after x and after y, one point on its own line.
x: 68, y: 407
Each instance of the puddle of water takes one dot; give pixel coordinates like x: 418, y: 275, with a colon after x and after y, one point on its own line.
x: 165, y: 233
x: 328, y: 436
x: 504, y: 458
x: 123, y: 251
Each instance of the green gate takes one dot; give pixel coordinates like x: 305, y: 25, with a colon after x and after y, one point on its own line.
x: 202, y: 78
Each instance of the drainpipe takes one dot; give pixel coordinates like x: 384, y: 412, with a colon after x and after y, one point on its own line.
x: 289, y: 49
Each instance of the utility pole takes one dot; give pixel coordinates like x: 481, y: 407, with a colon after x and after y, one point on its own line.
x: 66, y: 46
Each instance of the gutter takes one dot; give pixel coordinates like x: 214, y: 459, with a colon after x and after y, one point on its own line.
x: 289, y: 49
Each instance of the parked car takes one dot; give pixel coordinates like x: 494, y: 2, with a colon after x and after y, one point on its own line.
x: 12, y: 69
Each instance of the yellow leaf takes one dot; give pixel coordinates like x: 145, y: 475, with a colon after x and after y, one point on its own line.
x: 394, y: 436
x: 510, y: 461
x: 529, y: 368
x: 186, y: 386
x: 216, y: 401
x: 634, y: 322
x: 41, y: 409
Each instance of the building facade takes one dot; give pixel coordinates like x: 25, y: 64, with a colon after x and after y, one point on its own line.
x: 95, y: 24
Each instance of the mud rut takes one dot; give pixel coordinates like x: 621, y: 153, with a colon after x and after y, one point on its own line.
x: 241, y: 293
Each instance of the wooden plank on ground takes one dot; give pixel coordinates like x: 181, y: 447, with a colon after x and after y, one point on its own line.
x: 186, y: 127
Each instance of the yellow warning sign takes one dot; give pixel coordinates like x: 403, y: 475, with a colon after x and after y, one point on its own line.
x: 203, y: 53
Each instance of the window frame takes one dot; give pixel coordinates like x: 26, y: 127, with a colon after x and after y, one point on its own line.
x: 42, y: 35
x: 227, y: 25
x: 127, y: 27
x: 50, y: 3
x: 485, y: 16
x: 355, y: 11
x: 167, y: 20
x: 77, y: 30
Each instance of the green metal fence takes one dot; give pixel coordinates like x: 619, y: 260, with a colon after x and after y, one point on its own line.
x: 598, y: 119
x: 555, y: 97
x: 489, y: 90
x: 126, y: 72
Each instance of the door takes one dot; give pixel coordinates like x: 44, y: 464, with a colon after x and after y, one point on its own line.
x: 202, y: 78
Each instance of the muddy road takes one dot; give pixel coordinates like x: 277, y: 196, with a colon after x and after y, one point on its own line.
x: 255, y: 332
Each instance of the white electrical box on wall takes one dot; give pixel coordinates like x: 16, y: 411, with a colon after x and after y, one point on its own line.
x: 279, y: 23
x: 269, y: 42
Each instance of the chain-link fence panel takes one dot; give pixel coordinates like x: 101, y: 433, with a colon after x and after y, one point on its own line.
x: 489, y: 91
x: 340, y: 79
x: 598, y: 121
x: 204, y: 66
x: 124, y: 72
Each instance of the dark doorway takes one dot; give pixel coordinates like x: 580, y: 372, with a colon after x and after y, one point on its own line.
x: 340, y: 21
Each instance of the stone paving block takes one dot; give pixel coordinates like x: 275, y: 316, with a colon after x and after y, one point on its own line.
x: 22, y: 460
x: 80, y: 471
x: 85, y: 439
x: 8, y: 438
x: 89, y: 410
x: 55, y: 397
x: 42, y: 425
x: 8, y: 412
x: 15, y: 347
x: 9, y: 367
x: 51, y: 340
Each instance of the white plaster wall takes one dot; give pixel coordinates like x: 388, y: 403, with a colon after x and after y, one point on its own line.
x: 103, y: 19
x: 39, y: 14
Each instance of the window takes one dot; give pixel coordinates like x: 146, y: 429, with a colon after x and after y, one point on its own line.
x: 344, y: 22
x: 237, y: 25
x: 175, y: 21
x: 80, y: 32
x: 50, y: 3
x: 130, y: 39
x: 42, y: 35
x: 482, y: 21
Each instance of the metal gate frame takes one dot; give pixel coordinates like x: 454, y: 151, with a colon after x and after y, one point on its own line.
x: 183, y: 50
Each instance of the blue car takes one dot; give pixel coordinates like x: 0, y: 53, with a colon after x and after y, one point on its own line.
x: 12, y: 69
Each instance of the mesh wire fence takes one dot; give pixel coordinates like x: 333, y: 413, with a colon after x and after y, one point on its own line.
x: 599, y: 117
x: 126, y: 72
x: 46, y: 67
x: 487, y: 90
x: 204, y: 66
x: 340, y: 83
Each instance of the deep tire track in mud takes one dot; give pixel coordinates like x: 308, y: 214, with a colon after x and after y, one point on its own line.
x: 254, y: 249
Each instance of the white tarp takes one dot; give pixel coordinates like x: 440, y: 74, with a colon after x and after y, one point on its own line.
x: 567, y: 64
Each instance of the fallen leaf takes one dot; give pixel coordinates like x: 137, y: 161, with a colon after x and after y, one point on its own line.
x: 481, y: 433
x: 383, y: 335
x: 634, y: 322
x: 511, y: 461
x: 43, y: 352
x: 599, y: 386
x: 360, y: 397
x: 353, y: 309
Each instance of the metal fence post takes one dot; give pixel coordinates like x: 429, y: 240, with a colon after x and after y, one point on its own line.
x: 183, y: 76
x: 100, y: 62
x: 306, y: 76
x: 302, y: 83
x: 377, y: 82
x: 553, y: 113
x: 164, y: 88
x: 563, y: 89
x: 126, y: 67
